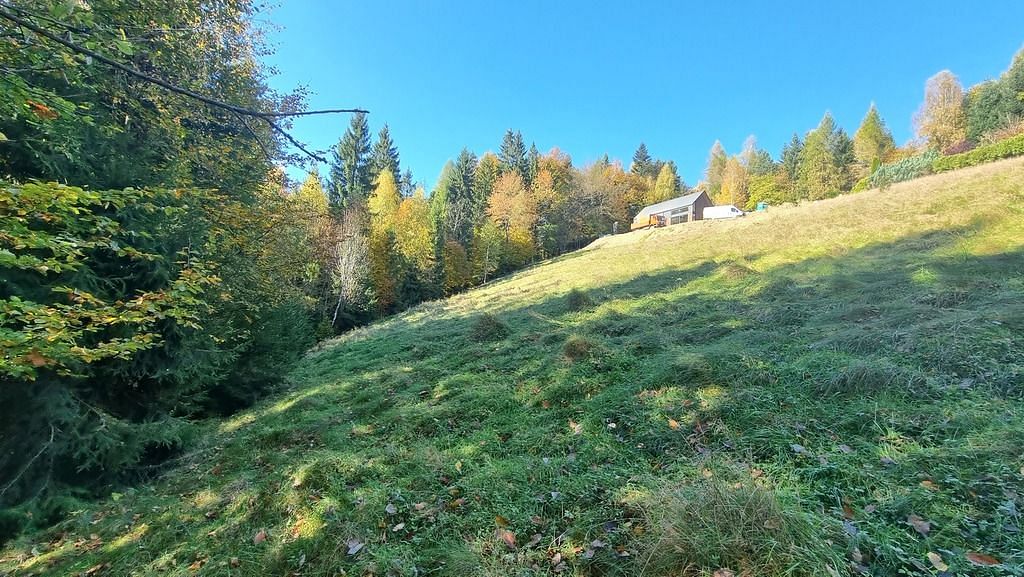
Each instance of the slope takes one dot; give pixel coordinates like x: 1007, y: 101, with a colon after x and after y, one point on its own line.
x: 822, y: 389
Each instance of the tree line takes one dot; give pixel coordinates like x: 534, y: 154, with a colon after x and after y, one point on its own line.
x: 826, y: 161
x: 157, y: 266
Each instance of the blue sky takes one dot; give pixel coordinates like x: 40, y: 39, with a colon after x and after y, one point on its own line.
x: 596, y: 77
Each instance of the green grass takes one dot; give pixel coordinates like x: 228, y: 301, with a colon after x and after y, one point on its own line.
x: 775, y: 395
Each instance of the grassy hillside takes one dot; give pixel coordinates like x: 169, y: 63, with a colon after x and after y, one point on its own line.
x: 815, y: 390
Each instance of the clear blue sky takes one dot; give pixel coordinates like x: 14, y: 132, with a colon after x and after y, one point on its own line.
x: 595, y: 77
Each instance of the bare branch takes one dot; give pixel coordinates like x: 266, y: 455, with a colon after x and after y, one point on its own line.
x: 234, y: 108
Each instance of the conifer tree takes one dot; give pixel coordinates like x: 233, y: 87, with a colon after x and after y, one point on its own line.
x: 459, y: 201
x: 407, y: 186
x: 791, y: 157
x: 512, y: 154
x: 819, y: 175
x: 350, y: 174
x: 872, y: 141
x: 642, y: 162
x: 532, y: 165
x: 384, y: 156
x: 488, y: 169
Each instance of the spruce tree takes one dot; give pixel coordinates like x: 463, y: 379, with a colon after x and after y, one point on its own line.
x: 350, y: 174
x: 532, y: 164
x: 406, y: 185
x: 488, y: 170
x: 384, y: 156
x: 872, y: 141
x: 642, y: 163
x: 791, y: 157
x: 512, y: 154
x: 459, y: 201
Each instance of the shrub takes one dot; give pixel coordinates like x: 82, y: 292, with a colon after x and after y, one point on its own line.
x: 1009, y: 130
x: 903, y: 170
x: 489, y: 328
x: 578, y: 300
x: 1005, y: 149
x: 699, y: 528
x: 862, y: 184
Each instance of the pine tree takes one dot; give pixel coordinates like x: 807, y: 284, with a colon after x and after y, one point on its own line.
x: 791, y: 157
x: 941, y: 121
x: 642, y: 163
x: 715, y: 170
x: 350, y: 174
x: 512, y: 154
x: 819, y: 175
x: 384, y: 156
x: 666, y: 186
x: 872, y: 141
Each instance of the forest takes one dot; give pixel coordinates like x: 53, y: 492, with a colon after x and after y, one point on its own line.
x: 158, y: 267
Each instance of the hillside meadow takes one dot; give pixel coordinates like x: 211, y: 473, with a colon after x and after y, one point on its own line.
x: 832, y: 388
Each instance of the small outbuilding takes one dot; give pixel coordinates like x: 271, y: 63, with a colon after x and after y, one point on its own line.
x: 674, y: 211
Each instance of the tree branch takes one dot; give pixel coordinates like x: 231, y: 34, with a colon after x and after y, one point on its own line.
x: 240, y: 110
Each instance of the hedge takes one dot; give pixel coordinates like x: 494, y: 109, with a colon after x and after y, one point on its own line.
x: 1004, y: 149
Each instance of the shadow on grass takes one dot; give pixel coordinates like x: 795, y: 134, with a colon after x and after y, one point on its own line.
x: 410, y: 443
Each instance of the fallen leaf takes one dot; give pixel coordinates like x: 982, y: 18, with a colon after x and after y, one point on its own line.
x: 420, y: 506
x: 598, y: 544
x: 936, y: 561
x: 981, y: 559
x: 575, y: 428
x: 398, y: 527
x: 687, y: 402
x: 354, y: 546
x: 755, y: 473
x: 673, y: 424
x: 96, y: 569
x: 724, y: 573
x: 919, y: 524
x: 234, y: 562
x: 588, y: 554
x: 556, y: 559
x: 845, y: 449
x: 501, y: 521
x: 458, y: 466
x: 929, y: 485
x: 773, y: 524
x: 508, y: 537
x: 798, y: 448
x: 545, y: 404
x: 260, y: 537
x: 847, y: 511
x: 534, y: 540
x: 707, y: 473
x: 390, y: 509
x: 197, y: 565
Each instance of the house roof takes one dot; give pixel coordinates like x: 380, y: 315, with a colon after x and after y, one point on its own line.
x: 669, y: 204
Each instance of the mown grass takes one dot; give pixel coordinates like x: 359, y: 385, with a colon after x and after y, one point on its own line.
x: 776, y: 395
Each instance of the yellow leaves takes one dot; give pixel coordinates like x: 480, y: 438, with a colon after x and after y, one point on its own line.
x: 673, y: 424
x: 931, y: 486
x: 936, y: 561
x: 574, y: 427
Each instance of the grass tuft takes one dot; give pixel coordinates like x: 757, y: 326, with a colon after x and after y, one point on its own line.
x: 578, y: 300
x: 577, y: 348
x: 488, y: 327
x: 699, y: 528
